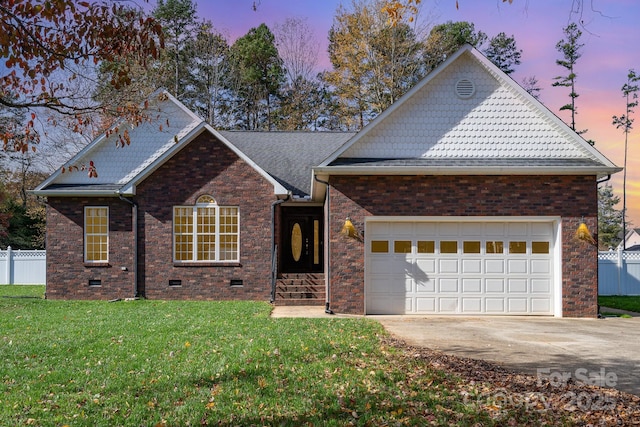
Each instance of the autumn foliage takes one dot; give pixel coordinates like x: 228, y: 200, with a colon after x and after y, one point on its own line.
x: 45, y: 46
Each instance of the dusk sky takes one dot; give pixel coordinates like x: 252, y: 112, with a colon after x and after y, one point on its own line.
x: 611, y: 38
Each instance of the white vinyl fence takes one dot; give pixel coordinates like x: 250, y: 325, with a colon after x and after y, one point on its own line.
x: 23, y: 267
x: 619, y: 273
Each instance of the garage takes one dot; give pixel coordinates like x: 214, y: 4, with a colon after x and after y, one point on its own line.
x: 493, y: 266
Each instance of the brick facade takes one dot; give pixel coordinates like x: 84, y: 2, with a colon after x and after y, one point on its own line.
x: 569, y: 197
x: 205, y: 166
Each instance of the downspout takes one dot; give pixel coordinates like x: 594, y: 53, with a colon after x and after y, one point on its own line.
x: 134, y: 224
x: 327, y: 305
x: 599, y: 315
x: 274, y: 263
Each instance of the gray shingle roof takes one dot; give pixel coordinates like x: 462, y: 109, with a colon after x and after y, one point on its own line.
x: 288, y: 156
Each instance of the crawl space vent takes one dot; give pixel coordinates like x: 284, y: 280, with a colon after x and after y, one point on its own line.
x: 465, y: 88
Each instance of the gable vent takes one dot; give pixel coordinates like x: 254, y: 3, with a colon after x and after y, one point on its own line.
x: 465, y: 88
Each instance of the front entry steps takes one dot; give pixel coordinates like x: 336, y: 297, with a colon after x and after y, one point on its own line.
x: 300, y: 289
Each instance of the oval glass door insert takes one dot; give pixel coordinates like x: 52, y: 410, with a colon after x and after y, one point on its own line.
x: 296, y: 242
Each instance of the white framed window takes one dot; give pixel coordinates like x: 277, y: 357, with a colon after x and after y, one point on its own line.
x: 206, y: 232
x: 96, y: 234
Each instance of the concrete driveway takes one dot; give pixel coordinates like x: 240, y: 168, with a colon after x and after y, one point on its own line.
x: 603, y: 352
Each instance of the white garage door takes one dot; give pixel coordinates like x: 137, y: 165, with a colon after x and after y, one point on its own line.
x: 460, y: 267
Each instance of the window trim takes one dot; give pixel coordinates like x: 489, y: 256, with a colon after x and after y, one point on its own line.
x: 86, y: 234
x: 206, y: 202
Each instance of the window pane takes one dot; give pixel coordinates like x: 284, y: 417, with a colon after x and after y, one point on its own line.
x: 402, y: 246
x: 228, y: 248
x: 96, y: 234
x: 494, y: 247
x: 379, y: 246
x: 471, y: 247
x: 540, y: 247
x: 517, y: 247
x: 426, y: 246
x: 206, y: 233
x: 448, y: 247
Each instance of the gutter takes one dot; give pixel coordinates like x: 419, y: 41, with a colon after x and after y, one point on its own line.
x: 598, y: 182
x: 274, y: 263
x: 327, y: 305
x: 134, y: 224
x: 605, y: 179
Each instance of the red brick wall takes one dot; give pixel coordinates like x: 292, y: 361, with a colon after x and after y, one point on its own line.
x: 570, y: 197
x: 67, y: 275
x: 203, y: 167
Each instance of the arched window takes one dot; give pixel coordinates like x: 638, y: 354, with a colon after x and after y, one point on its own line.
x: 206, y: 232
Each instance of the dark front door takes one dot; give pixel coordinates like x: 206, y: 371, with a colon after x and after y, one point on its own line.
x: 302, y: 236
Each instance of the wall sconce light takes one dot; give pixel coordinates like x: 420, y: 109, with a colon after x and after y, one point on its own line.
x: 349, y: 230
x: 582, y: 233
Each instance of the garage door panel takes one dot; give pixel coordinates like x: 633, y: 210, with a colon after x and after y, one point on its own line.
x: 517, y: 229
x: 517, y: 305
x: 469, y: 230
x: 448, y: 266
x: 460, y: 268
x: 517, y: 266
x: 426, y: 305
x: 494, y: 266
x: 472, y: 305
x: 540, y: 286
x: 495, y: 286
x: 471, y: 266
x: 540, y: 305
x: 448, y: 285
x: 540, y: 266
x: 428, y: 287
x: 472, y: 285
x: 517, y: 286
x: 494, y: 305
x: 447, y: 305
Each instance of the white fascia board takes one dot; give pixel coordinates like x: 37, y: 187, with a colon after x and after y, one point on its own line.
x: 498, y: 170
x: 318, y: 189
x: 62, y: 193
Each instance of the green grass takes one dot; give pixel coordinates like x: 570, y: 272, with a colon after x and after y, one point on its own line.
x: 148, y: 363
x: 628, y: 303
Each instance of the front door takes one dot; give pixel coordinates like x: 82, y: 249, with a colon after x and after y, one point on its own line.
x: 302, y: 235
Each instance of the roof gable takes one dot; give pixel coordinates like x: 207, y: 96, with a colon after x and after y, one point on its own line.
x: 468, y: 110
x: 170, y: 126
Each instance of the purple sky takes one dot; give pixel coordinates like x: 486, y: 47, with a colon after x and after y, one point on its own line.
x: 611, y: 38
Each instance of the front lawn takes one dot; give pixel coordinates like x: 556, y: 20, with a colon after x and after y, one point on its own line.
x: 177, y: 363
x: 628, y: 303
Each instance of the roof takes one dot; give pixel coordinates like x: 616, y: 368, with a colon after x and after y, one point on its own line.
x: 288, y: 156
x: 169, y: 127
x: 466, y: 117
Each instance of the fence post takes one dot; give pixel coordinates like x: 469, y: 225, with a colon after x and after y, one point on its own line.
x: 9, y: 263
x: 620, y: 267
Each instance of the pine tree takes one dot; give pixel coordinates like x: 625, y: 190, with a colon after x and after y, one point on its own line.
x: 625, y: 122
x: 569, y: 47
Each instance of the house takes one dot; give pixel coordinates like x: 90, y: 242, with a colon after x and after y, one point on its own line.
x: 464, y: 197
x: 632, y: 240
